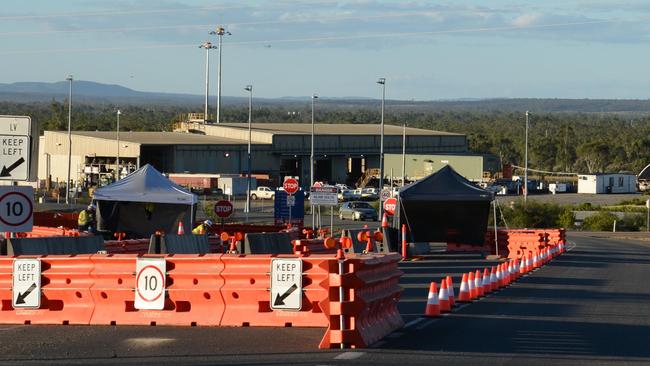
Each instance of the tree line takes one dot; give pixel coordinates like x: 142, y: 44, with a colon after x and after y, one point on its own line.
x: 559, y: 142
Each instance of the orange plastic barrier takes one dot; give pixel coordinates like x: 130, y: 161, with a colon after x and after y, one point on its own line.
x: 65, y: 298
x: 515, y: 243
x: 369, y: 307
x: 56, y: 219
x: 128, y: 246
x: 193, y: 291
x: 44, y: 231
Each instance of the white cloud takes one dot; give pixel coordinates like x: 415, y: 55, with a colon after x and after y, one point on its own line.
x: 525, y: 20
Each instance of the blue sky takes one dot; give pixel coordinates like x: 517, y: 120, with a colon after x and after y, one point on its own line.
x: 426, y: 50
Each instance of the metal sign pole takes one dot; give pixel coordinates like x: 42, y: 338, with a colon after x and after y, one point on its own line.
x: 496, y: 236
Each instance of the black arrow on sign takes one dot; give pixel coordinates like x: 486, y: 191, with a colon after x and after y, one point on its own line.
x: 279, y: 300
x: 21, y: 297
x: 6, y: 172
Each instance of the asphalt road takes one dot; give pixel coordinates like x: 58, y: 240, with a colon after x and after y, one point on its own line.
x: 589, y: 306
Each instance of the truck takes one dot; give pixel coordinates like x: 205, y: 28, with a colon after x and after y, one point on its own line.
x: 263, y: 193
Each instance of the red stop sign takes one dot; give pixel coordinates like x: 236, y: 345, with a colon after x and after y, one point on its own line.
x: 223, y: 209
x: 390, y: 205
x: 291, y: 186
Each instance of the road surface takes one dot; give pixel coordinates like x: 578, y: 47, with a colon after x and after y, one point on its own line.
x: 589, y: 306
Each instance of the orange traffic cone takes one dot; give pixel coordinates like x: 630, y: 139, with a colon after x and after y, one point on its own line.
x: 471, y: 282
x: 478, y: 283
x: 443, y: 297
x: 522, y: 266
x: 499, y: 277
x: 384, y: 221
x: 507, y: 278
x: 181, y: 229
x: 463, y: 294
x: 450, y: 291
x: 494, y: 281
x: 529, y: 262
x: 433, y: 305
x: 536, y: 263
x: 487, y: 285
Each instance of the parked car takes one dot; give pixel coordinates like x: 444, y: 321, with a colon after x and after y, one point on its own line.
x: 263, y: 193
x: 346, y: 195
x: 356, y: 210
x: 370, y: 194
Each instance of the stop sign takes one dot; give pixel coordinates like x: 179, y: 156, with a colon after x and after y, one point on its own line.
x: 390, y: 205
x: 291, y: 186
x: 223, y: 209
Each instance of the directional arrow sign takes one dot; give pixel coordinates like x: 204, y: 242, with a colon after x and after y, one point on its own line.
x: 6, y: 171
x: 286, y: 284
x: 26, y: 287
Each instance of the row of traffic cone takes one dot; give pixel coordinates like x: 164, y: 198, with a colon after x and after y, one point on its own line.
x: 477, y: 284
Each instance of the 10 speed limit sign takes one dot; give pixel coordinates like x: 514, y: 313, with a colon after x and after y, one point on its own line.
x: 150, y: 283
x: 16, y: 209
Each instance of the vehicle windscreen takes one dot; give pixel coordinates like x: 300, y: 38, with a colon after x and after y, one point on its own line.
x: 361, y: 205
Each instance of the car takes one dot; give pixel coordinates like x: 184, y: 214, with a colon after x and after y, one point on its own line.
x: 370, y: 194
x: 263, y: 193
x: 356, y: 210
x: 346, y: 195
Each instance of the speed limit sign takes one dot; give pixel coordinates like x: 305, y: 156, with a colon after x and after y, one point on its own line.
x: 16, y: 209
x: 150, y: 283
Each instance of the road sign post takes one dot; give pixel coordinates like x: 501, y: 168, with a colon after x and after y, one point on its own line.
x: 26, y: 289
x: 16, y: 209
x: 150, y: 283
x: 16, y: 148
x: 290, y: 186
x: 224, y: 209
x: 286, y: 284
x: 390, y: 205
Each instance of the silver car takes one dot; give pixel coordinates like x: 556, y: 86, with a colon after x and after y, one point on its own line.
x: 356, y: 210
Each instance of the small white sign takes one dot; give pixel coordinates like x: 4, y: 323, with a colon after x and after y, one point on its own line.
x: 15, y: 125
x: 385, y: 194
x: 150, y: 283
x: 325, y: 196
x: 16, y: 209
x: 15, y: 152
x: 286, y: 284
x: 26, y: 289
x: 291, y: 200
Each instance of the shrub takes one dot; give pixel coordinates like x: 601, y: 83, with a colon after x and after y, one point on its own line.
x: 601, y: 221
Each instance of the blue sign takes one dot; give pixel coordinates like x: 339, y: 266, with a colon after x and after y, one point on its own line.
x: 282, y: 207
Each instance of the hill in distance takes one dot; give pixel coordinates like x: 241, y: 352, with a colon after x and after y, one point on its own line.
x: 92, y: 92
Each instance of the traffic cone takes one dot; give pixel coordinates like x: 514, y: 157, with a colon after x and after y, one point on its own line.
x: 494, y: 282
x: 522, y: 266
x: 507, y: 270
x: 478, y: 284
x: 463, y: 294
x: 443, y: 297
x: 384, y: 221
x: 471, y: 282
x: 515, y: 269
x: 499, y: 277
x: 529, y: 262
x: 181, y: 229
x: 536, y: 259
x: 450, y: 291
x: 487, y: 285
x: 433, y: 305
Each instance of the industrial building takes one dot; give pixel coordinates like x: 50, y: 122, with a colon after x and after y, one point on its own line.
x: 342, y: 152
x: 474, y: 167
x: 607, y: 183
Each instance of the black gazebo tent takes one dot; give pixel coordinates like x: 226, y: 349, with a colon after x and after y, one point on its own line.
x: 445, y: 207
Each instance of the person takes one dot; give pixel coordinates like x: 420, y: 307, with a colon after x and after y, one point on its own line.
x: 148, y: 210
x: 87, y: 220
x: 202, y: 228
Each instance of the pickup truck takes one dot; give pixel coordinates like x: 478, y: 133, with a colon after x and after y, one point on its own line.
x: 263, y: 193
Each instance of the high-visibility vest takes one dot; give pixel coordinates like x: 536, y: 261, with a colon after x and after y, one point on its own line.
x: 83, y: 218
x: 199, y: 230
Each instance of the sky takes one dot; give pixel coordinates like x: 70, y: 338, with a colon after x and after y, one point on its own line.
x: 426, y: 50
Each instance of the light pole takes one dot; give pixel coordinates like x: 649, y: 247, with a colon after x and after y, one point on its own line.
x: 67, y: 183
x: 117, y: 176
x: 403, y: 155
x: 311, y: 159
x: 526, y: 163
x: 249, y: 89
x: 220, y: 31
x: 208, y: 46
x: 382, y: 82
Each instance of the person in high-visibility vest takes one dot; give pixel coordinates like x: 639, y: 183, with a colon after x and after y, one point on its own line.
x: 203, y: 228
x: 86, y: 220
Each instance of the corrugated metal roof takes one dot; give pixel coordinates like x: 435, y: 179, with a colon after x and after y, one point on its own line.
x: 162, y: 138
x: 335, y: 129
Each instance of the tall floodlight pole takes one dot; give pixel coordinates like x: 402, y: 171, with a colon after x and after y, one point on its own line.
x: 403, y: 154
x: 117, y: 176
x: 207, y: 46
x: 67, y: 183
x: 249, y: 89
x: 311, y: 159
x: 526, y: 163
x: 382, y: 82
x: 220, y: 32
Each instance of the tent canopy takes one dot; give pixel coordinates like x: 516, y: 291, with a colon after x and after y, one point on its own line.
x: 445, y: 207
x: 146, y: 185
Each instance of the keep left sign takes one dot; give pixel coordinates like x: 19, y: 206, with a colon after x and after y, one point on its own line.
x: 26, y: 289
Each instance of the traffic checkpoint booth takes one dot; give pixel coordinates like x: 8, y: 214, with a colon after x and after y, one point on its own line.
x: 445, y: 207
x: 144, y: 202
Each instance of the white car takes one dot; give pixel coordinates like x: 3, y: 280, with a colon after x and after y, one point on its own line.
x: 264, y: 193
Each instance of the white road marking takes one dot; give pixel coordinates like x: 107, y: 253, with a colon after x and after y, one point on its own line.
x: 413, y: 322
x: 349, y: 355
x: 426, y: 324
x: 148, y: 342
